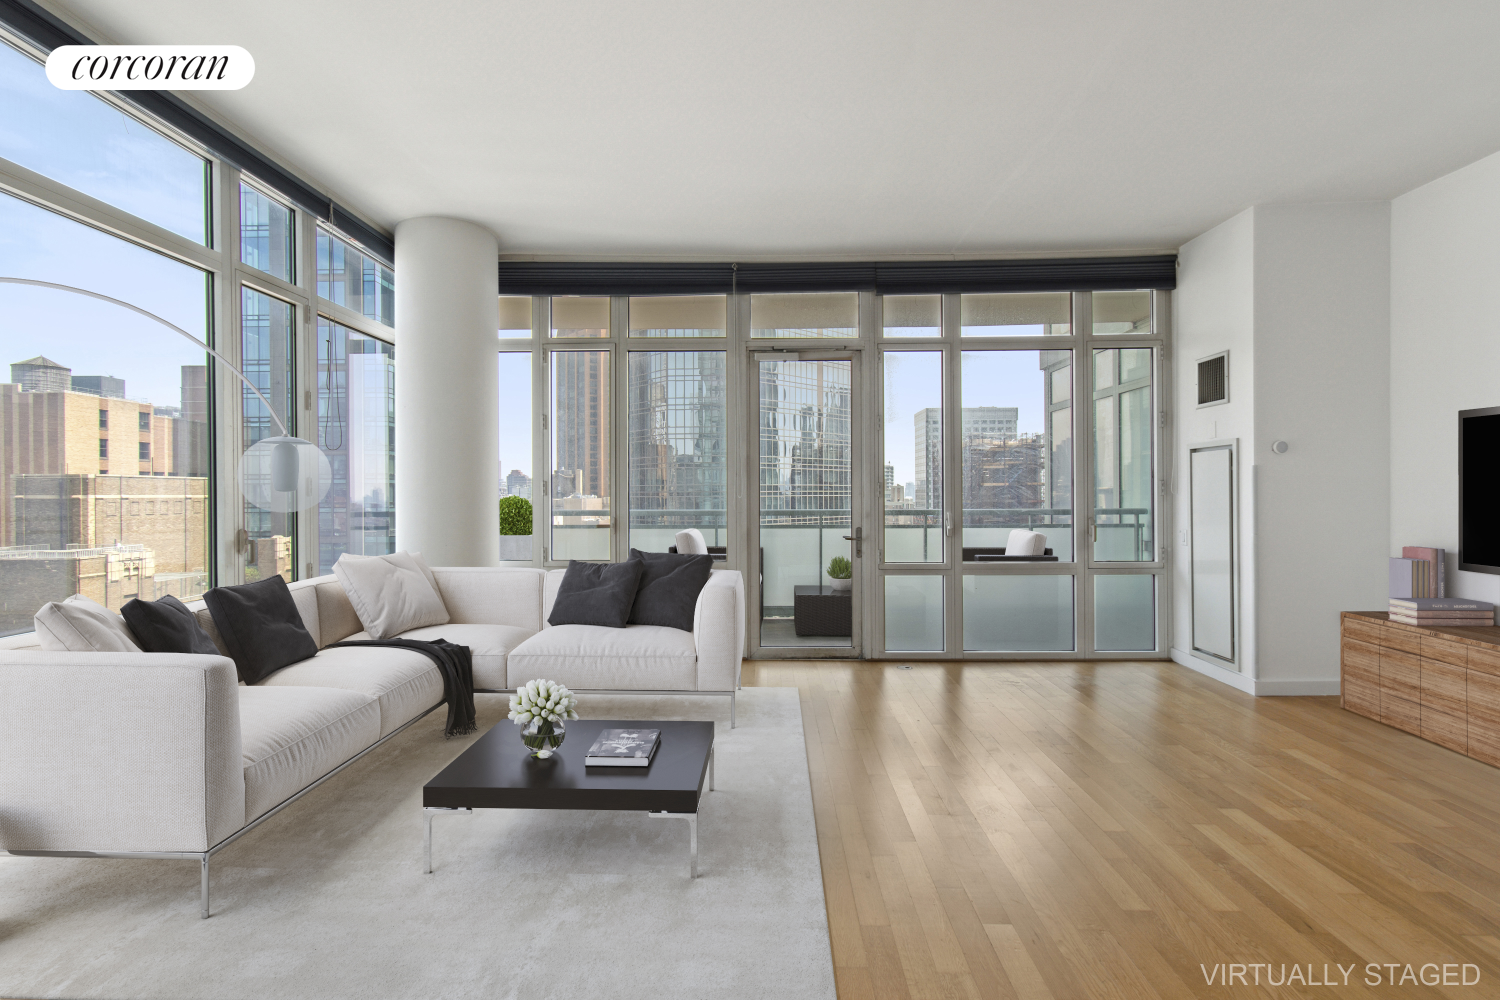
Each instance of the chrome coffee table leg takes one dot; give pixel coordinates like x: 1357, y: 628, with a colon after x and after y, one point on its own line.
x: 692, y: 819
x: 427, y: 813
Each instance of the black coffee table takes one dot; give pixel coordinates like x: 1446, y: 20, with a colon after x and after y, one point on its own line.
x: 497, y: 772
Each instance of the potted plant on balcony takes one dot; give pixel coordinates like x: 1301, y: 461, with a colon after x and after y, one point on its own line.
x: 842, y: 574
x: 515, y: 529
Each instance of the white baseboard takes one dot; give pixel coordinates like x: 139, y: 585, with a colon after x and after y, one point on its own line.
x: 1297, y: 689
x: 1250, y: 685
x: 1223, y: 675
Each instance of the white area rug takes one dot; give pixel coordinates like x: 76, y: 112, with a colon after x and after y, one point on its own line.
x: 329, y: 898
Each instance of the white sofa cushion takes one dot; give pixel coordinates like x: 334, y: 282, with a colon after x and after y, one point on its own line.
x: 390, y: 593
x: 489, y: 644
x: 80, y: 625
x: 636, y: 657
x: 292, y: 736
x: 305, y: 596
x: 403, y: 682
x: 1025, y: 543
x: 484, y: 595
x: 553, y: 581
x: 337, y: 620
x: 690, y: 542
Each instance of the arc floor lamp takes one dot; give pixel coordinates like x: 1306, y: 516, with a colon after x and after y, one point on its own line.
x: 279, y: 474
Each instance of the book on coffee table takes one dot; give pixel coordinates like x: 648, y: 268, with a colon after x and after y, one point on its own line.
x: 623, y: 748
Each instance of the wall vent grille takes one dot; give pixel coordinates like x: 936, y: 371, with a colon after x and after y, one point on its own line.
x: 1213, y: 379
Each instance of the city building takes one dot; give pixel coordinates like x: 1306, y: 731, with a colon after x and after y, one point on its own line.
x: 678, y: 447
x: 517, y: 484
x: 99, y: 385
x: 805, y: 443
x: 581, y: 423
x: 41, y: 374
x: 356, y: 429
x: 992, y: 423
x: 1003, y: 473
x: 51, y: 431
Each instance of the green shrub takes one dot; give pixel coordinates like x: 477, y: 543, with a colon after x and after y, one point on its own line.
x: 515, y: 516
x: 839, y: 568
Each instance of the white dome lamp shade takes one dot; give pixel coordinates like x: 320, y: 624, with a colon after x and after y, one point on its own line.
x: 278, y: 474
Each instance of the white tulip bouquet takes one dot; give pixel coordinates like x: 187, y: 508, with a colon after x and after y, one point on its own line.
x: 540, y: 707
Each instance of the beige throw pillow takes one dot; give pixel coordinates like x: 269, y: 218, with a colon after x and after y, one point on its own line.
x: 391, y: 594
x: 79, y: 625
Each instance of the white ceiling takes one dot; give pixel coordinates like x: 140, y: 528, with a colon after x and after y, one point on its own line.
x: 873, y: 128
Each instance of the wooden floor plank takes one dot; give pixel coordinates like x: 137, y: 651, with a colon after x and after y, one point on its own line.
x: 1047, y: 831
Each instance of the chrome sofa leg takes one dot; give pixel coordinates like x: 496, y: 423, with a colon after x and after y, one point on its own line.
x: 731, y: 710
x: 203, y: 892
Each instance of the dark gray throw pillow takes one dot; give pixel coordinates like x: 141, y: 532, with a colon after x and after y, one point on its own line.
x: 597, y: 593
x: 668, y: 592
x: 261, y: 627
x: 165, y: 625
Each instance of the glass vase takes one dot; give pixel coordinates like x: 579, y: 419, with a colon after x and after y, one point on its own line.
x: 542, y: 737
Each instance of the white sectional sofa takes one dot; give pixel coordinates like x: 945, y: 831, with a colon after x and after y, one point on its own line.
x: 168, y: 755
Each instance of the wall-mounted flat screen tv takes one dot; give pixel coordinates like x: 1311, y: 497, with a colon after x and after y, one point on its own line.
x: 1479, y: 490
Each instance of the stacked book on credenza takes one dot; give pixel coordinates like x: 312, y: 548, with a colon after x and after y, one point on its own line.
x: 1441, y: 611
x: 1418, y: 573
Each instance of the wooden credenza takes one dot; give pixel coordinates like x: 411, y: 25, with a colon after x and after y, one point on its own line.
x: 1442, y: 684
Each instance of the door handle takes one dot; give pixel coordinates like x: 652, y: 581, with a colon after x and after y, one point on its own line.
x: 858, y: 539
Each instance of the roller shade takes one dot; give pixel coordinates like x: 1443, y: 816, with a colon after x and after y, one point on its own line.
x: 890, y: 278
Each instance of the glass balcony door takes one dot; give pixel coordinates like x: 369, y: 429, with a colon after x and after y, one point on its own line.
x: 805, y: 525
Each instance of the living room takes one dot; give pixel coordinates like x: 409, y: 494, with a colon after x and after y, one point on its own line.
x: 528, y: 501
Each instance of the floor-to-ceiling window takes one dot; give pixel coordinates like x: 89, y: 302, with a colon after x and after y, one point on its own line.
x: 580, y: 473
x: 268, y: 345
x: 676, y: 420
x: 743, y: 415
x: 122, y: 439
x: 357, y: 432
x: 104, y: 421
x: 516, y: 380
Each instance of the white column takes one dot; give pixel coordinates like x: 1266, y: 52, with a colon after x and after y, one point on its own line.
x: 447, y: 436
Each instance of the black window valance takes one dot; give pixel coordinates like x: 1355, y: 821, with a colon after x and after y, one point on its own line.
x: 33, y: 22
x: 1040, y: 274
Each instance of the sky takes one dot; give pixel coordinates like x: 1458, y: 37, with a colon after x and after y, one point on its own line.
x: 35, y: 243
x: 990, y: 378
x: 78, y: 139
x: 515, y: 413
x: 82, y: 141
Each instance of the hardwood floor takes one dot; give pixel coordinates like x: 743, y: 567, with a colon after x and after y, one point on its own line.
x: 1059, y: 831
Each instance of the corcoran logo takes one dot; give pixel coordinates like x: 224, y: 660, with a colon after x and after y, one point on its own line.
x: 150, y: 67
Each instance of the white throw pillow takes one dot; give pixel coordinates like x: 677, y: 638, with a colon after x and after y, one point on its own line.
x: 691, y: 543
x: 416, y: 557
x: 79, y: 625
x: 391, y: 594
x: 1025, y: 543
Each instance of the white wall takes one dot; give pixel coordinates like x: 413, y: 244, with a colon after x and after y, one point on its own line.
x: 1445, y: 352
x: 1322, y: 321
x: 1213, y: 310
x: 1299, y: 295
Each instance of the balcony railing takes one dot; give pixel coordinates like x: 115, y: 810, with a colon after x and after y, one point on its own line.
x: 798, y: 543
